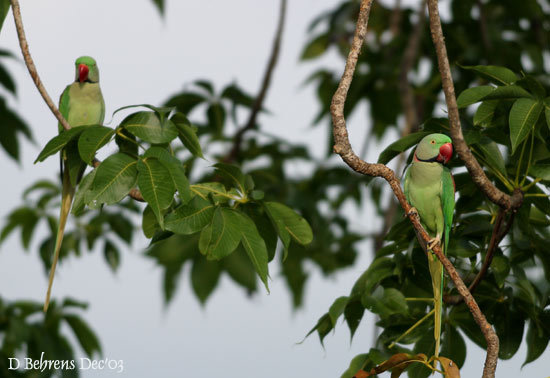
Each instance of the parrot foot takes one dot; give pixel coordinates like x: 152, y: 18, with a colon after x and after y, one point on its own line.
x: 433, y: 242
x: 412, y: 211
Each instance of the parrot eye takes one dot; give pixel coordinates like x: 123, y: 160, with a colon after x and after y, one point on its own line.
x: 432, y: 141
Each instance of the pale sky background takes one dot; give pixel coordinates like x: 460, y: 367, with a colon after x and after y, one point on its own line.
x: 145, y: 59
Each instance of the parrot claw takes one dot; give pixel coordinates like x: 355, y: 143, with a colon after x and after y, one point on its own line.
x: 412, y: 211
x: 433, y: 242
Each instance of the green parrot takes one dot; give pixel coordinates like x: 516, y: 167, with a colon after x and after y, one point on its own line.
x: 429, y: 188
x: 81, y: 103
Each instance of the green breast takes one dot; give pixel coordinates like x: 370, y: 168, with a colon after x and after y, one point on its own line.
x: 86, y: 105
x: 425, y: 194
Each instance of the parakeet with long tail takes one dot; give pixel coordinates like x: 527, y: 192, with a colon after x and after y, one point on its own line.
x: 429, y: 188
x: 81, y: 103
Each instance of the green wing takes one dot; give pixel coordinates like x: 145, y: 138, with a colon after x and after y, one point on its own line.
x: 447, y: 201
x: 406, y: 183
x: 64, y: 105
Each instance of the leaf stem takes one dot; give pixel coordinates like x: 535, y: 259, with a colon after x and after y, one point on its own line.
x: 526, y: 188
x: 420, y: 300
x: 530, y: 157
x: 516, y: 180
x: 415, y: 325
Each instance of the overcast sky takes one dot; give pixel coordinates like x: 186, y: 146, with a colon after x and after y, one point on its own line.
x: 144, y: 59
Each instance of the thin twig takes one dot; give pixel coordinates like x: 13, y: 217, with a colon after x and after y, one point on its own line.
x: 16, y: 10
x: 259, y: 101
x: 465, y: 154
x: 343, y: 147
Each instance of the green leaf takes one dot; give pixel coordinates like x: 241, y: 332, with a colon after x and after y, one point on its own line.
x: 186, y: 101
x: 453, y: 345
x: 86, y: 337
x: 216, y: 189
x: 533, y: 85
x: 190, y: 218
x: 92, y: 140
x: 5, y: 77
x: 509, y: 326
x: 508, y: 92
x: 156, y: 185
x: 204, y: 278
x: 337, y: 308
x: 85, y: 185
x: 385, y: 302
x: 147, y: 126
x: 501, y: 268
x: 496, y: 74
x: 537, y: 339
x: 547, y: 111
x: 233, y: 173
x: 241, y: 270
x: 485, y: 113
x: 357, y: 363
x: 492, y: 155
x: 401, y: 145
x: 254, y: 246
x: 111, y: 254
x: 187, y: 135
x: 540, y: 171
x: 223, y: 235
x: 57, y: 143
x: 149, y: 223
x: 353, y: 314
x: 126, y: 142
x: 523, y: 117
x: 121, y: 226
x: 472, y: 95
x: 161, y: 111
x: 316, y: 47
x: 378, y: 270
x: 216, y: 118
x: 289, y: 223
x: 114, y: 179
x: 175, y: 168
x: 160, y: 5
x: 4, y: 9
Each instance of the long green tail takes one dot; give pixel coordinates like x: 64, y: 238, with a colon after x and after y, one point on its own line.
x: 67, y: 195
x: 436, y: 271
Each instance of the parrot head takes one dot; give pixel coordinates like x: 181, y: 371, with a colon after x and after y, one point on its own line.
x: 86, y: 70
x: 434, y: 148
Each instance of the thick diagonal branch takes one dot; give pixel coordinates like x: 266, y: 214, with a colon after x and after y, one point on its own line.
x: 259, y: 100
x: 343, y: 147
x: 16, y: 10
x: 464, y: 153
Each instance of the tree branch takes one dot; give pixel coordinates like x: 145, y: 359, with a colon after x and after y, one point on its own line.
x: 259, y: 100
x: 343, y: 147
x: 476, y: 172
x: 16, y: 10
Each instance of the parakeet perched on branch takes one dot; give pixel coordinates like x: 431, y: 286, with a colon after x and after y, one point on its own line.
x: 429, y: 188
x: 81, y: 104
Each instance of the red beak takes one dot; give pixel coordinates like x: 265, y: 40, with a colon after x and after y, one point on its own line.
x: 445, y: 153
x: 83, y: 72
